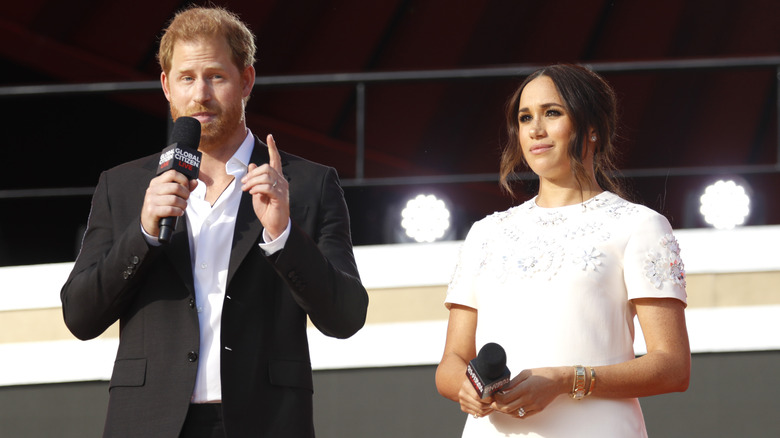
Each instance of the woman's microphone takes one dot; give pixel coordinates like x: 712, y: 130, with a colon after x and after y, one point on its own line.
x: 488, y: 372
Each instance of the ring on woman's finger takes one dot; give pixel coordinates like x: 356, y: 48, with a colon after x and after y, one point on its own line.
x: 273, y: 186
x: 520, y: 412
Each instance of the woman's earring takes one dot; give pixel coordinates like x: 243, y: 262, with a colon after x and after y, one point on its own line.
x: 592, y: 138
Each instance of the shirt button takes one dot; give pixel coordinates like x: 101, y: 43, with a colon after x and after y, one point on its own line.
x: 192, y: 356
x: 203, y: 265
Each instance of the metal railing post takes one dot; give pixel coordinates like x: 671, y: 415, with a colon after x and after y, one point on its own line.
x: 360, y: 131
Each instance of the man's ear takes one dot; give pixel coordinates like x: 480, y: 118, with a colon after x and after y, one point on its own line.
x: 248, y: 76
x: 164, y: 82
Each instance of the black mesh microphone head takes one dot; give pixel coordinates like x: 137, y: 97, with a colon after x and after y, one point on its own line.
x: 186, y: 132
x: 491, y: 361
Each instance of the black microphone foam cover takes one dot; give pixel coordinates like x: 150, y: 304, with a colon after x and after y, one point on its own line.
x: 186, y: 132
x: 488, y: 372
x: 491, y: 361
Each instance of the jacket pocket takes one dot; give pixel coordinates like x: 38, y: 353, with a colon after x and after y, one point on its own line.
x: 128, y: 372
x: 291, y: 373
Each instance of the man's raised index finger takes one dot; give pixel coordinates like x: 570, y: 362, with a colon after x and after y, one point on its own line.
x: 275, y: 160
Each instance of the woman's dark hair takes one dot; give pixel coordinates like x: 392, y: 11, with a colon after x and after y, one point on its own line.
x: 590, y: 103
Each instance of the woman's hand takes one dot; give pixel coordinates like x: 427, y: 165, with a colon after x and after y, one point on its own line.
x: 471, y: 403
x: 531, y: 391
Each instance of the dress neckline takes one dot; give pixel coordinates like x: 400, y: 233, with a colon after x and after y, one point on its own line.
x: 590, y: 203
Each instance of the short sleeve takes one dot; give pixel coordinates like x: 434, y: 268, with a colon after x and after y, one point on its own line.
x: 462, y: 289
x: 652, y: 265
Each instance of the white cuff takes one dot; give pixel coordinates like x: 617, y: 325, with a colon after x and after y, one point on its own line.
x: 151, y: 240
x: 271, y: 247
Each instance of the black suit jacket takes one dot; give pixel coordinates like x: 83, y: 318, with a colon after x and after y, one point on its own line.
x: 266, y: 371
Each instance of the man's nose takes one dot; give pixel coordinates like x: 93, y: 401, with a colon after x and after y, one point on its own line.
x: 202, y: 91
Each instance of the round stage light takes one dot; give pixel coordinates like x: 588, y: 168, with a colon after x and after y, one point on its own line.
x: 425, y: 218
x: 725, y: 204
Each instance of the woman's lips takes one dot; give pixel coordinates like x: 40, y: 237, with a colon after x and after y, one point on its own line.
x: 540, y: 148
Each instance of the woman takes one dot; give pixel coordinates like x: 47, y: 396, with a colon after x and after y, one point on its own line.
x: 558, y: 280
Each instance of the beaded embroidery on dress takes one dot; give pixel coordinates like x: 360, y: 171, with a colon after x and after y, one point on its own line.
x: 666, y: 265
x: 566, y: 236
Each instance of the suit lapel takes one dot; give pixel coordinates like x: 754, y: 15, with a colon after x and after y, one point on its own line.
x: 245, y: 235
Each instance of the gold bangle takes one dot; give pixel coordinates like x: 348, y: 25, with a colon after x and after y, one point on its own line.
x: 578, y: 389
x: 592, y: 381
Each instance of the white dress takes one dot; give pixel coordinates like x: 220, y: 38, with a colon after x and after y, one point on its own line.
x: 553, y: 287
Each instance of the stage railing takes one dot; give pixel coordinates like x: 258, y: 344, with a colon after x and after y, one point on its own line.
x: 361, y: 80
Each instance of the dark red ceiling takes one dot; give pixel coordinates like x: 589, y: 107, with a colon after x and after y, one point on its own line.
x: 670, y: 119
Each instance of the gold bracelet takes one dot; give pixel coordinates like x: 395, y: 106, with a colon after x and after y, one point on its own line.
x: 578, y: 389
x: 592, y: 381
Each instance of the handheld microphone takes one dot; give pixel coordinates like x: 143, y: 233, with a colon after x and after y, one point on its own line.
x: 488, y: 372
x: 182, y: 156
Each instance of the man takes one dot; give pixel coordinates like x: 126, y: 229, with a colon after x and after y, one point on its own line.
x: 213, y: 325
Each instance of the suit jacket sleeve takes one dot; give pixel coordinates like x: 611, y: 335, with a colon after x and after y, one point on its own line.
x: 319, y: 267
x: 104, y: 278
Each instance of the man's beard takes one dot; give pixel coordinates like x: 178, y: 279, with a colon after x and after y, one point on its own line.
x: 214, y: 134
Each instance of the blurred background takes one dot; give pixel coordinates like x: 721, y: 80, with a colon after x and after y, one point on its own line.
x: 404, y: 98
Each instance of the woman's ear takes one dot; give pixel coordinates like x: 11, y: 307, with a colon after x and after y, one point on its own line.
x: 590, y: 145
